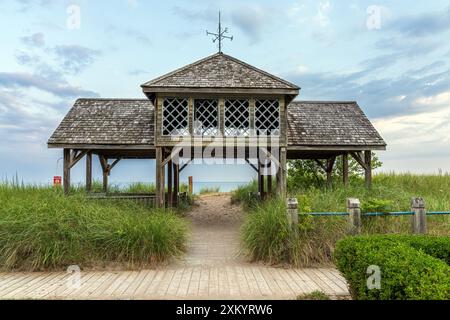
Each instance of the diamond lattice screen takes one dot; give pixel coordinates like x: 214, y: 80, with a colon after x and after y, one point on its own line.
x: 175, y: 117
x: 237, y: 118
x: 267, y: 117
x: 206, y: 117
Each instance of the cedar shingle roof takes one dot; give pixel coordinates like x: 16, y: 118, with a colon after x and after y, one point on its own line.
x: 109, y: 122
x: 318, y: 123
x: 220, y: 71
x: 131, y: 122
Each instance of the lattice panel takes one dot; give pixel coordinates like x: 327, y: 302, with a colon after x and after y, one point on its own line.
x: 267, y: 117
x: 237, y: 118
x: 206, y: 117
x: 175, y: 117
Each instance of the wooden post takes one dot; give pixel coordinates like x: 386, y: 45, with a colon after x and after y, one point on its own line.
x: 419, y: 220
x: 330, y: 166
x: 345, y: 169
x: 354, y: 211
x: 368, y: 169
x: 281, y: 175
x: 269, y: 179
x: 292, y: 211
x: 89, y: 171
x: 176, y: 183
x: 104, y: 164
x: 191, y: 185
x: 159, y: 178
x: 169, y: 183
x: 66, y: 173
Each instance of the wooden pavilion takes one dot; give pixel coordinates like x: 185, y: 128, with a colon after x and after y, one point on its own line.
x: 219, y: 101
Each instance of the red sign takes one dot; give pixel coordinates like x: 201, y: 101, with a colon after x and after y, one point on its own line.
x: 57, y: 181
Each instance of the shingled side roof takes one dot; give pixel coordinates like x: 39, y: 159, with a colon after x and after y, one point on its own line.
x: 131, y: 122
x: 220, y: 71
x: 107, y: 122
x: 318, y: 123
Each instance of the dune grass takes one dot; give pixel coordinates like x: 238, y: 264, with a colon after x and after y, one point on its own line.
x: 42, y: 229
x: 209, y: 190
x: 265, y: 236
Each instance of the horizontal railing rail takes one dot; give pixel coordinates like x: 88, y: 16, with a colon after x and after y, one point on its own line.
x: 372, y: 214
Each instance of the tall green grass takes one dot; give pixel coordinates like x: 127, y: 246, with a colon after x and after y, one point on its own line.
x: 42, y: 229
x: 264, y: 232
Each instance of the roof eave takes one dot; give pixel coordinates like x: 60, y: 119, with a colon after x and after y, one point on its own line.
x: 283, y: 91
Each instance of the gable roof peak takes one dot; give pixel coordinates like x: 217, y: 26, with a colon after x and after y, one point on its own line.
x: 220, y: 71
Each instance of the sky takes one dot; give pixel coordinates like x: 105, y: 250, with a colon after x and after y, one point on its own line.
x: 392, y: 57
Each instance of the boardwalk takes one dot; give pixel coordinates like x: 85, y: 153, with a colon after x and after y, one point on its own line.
x: 213, y: 268
x: 228, y: 282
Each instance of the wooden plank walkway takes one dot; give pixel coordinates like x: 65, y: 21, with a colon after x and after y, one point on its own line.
x: 227, y: 282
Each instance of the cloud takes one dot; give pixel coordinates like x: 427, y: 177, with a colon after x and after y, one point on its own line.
x: 138, y: 72
x: 75, y: 58
x: 322, y: 16
x: 382, y: 97
x: 252, y: 20
x: 35, y: 40
x: 57, y: 88
x: 425, y: 24
x: 210, y: 14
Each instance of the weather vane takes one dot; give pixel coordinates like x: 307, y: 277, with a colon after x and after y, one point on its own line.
x: 220, y: 35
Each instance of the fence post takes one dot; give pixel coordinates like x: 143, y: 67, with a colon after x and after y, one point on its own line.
x: 354, y: 211
x: 191, y: 185
x: 419, y: 220
x: 292, y: 211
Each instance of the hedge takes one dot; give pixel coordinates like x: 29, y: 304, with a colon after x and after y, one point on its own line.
x: 408, y: 269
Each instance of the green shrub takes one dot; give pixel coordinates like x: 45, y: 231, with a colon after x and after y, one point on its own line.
x: 265, y: 232
x: 43, y: 229
x: 267, y: 236
x: 406, y: 273
x: 209, y: 190
x: 246, y: 195
x: 315, y: 295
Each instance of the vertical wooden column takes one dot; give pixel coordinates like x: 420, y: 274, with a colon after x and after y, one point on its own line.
x: 159, y: 177
x: 89, y: 171
x: 176, y: 183
x: 170, y: 183
x: 330, y: 166
x: 104, y: 165
x: 66, y: 173
x: 281, y: 175
x: 345, y: 169
x: 269, y: 180
x: 368, y: 168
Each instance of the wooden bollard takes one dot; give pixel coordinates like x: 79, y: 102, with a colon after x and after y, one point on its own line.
x: 354, y: 212
x: 191, y: 185
x: 419, y: 219
x: 292, y: 212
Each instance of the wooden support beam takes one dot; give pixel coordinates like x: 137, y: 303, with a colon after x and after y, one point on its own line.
x: 76, y: 156
x: 282, y: 184
x: 330, y: 166
x: 160, y: 177
x: 176, y: 151
x: 261, y: 182
x: 112, y: 165
x: 269, y: 180
x: 169, y: 183
x: 359, y: 158
x: 89, y: 171
x: 251, y: 164
x: 321, y: 165
x: 186, y: 164
x: 66, y: 171
x: 345, y: 171
x: 176, y: 183
x: 104, y: 165
x: 368, y: 168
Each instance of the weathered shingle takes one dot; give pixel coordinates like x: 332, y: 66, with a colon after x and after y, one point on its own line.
x: 111, y: 122
x: 220, y: 71
x: 318, y: 123
x: 131, y: 122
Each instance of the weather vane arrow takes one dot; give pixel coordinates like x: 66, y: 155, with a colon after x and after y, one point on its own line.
x: 220, y: 35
